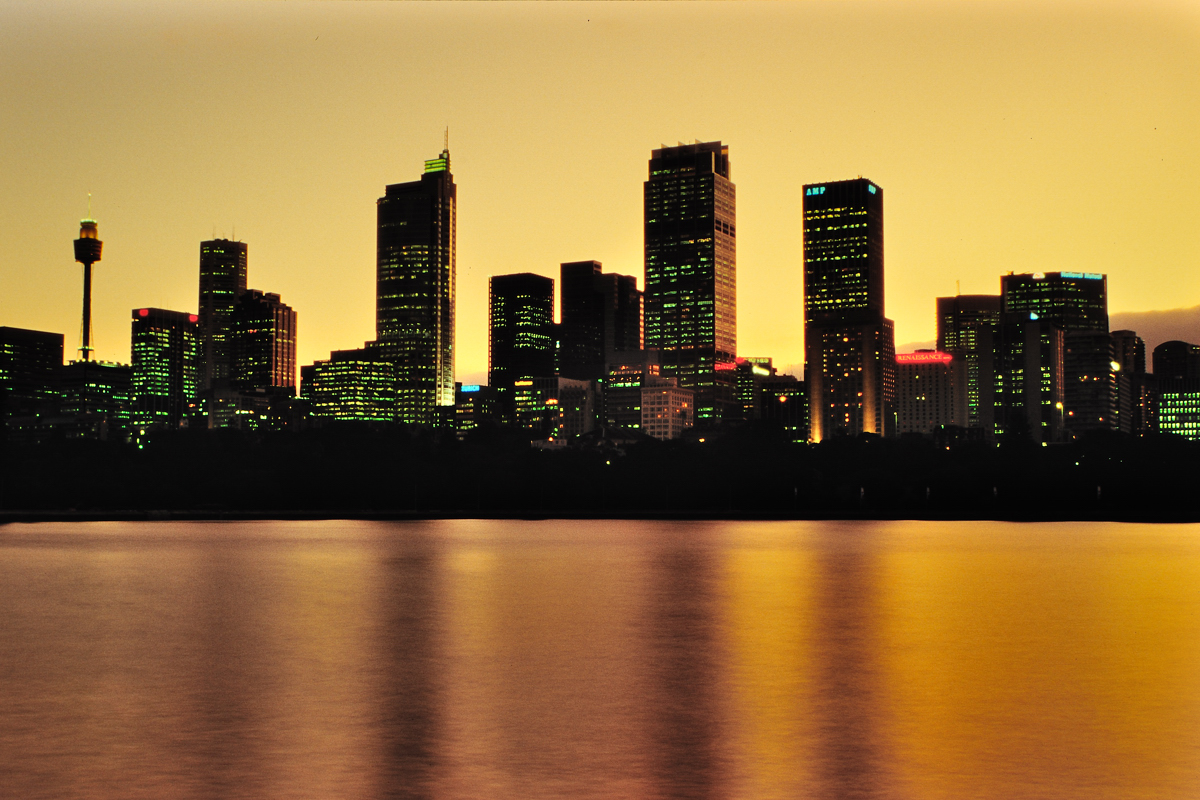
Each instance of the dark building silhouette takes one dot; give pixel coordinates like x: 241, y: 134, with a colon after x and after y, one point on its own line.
x: 622, y: 401
x: 849, y: 344
x: 967, y: 328
x: 87, y: 252
x: 691, y: 271
x: 601, y: 315
x: 223, y: 268
x: 165, y: 355
x: 30, y: 363
x: 1092, y: 393
x: 474, y: 407
x: 784, y: 403
x: 264, y: 344
x: 415, y: 286
x: 351, y: 386
x: 521, y: 333
x: 1029, y: 379
x: 1176, y: 361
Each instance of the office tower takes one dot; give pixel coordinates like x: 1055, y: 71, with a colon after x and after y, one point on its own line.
x: 1135, y: 404
x: 414, y: 301
x: 554, y: 408
x: 30, y: 362
x: 1071, y: 301
x: 87, y: 252
x: 931, y: 391
x: 263, y: 337
x: 1179, y: 410
x: 1029, y: 379
x: 351, y: 386
x: 222, y: 282
x: 165, y: 351
x: 98, y: 392
x: 668, y: 409
x: 601, y: 315
x: 849, y: 345
x: 520, y: 333
x: 966, y: 328
x: 691, y: 271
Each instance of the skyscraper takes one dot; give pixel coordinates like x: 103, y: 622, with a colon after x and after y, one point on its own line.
x: 223, y: 266
x: 263, y: 334
x: 520, y: 333
x: 414, y: 302
x: 691, y: 271
x: 1075, y: 303
x: 966, y: 327
x: 165, y: 355
x: 351, y: 386
x: 601, y: 315
x: 849, y: 345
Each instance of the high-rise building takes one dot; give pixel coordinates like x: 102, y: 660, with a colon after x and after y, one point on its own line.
x: 601, y: 315
x: 223, y: 266
x: 849, y: 344
x: 966, y: 327
x: 165, y: 351
x: 627, y: 373
x: 263, y: 335
x: 474, y: 407
x: 87, y: 252
x: 1077, y: 304
x: 415, y: 288
x: 691, y: 271
x: 521, y: 341
x: 1176, y: 361
x: 30, y: 362
x: 931, y: 391
x: 351, y: 386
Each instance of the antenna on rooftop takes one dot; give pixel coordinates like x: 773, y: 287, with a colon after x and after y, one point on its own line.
x: 447, y: 147
x: 958, y: 287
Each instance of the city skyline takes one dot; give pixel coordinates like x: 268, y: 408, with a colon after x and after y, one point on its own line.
x: 989, y: 168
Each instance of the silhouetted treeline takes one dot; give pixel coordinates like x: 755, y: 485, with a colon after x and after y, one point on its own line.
x: 357, y: 470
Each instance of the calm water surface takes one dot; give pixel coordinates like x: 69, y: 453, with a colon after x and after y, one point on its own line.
x: 482, y: 659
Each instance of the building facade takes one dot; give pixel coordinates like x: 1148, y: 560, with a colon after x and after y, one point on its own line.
x: 931, y: 391
x: 691, y: 271
x: 351, y: 386
x: 165, y: 356
x: 415, y: 289
x: 223, y: 270
x: 849, y: 344
x: 1029, y: 380
x: 668, y: 409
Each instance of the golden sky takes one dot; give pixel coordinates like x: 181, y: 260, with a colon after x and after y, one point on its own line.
x: 1007, y: 136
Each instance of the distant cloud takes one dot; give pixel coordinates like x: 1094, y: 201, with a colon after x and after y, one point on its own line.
x: 912, y: 347
x: 1157, y: 327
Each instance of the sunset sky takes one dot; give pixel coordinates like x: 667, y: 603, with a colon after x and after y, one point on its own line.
x: 1007, y: 137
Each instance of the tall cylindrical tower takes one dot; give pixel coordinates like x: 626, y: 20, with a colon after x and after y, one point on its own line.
x: 87, y: 252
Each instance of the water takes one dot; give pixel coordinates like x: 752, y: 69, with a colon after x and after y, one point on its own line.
x: 481, y: 659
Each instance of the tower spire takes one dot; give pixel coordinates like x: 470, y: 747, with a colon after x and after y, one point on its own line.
x: 87, y: 252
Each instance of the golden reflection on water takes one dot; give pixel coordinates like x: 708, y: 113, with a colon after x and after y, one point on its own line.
x: 465, y: 659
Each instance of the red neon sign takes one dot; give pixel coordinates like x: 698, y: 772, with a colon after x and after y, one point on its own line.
x: 143, y: 312
x: 193, y: 318
x: 929, y: 357
x: 722, y: 366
